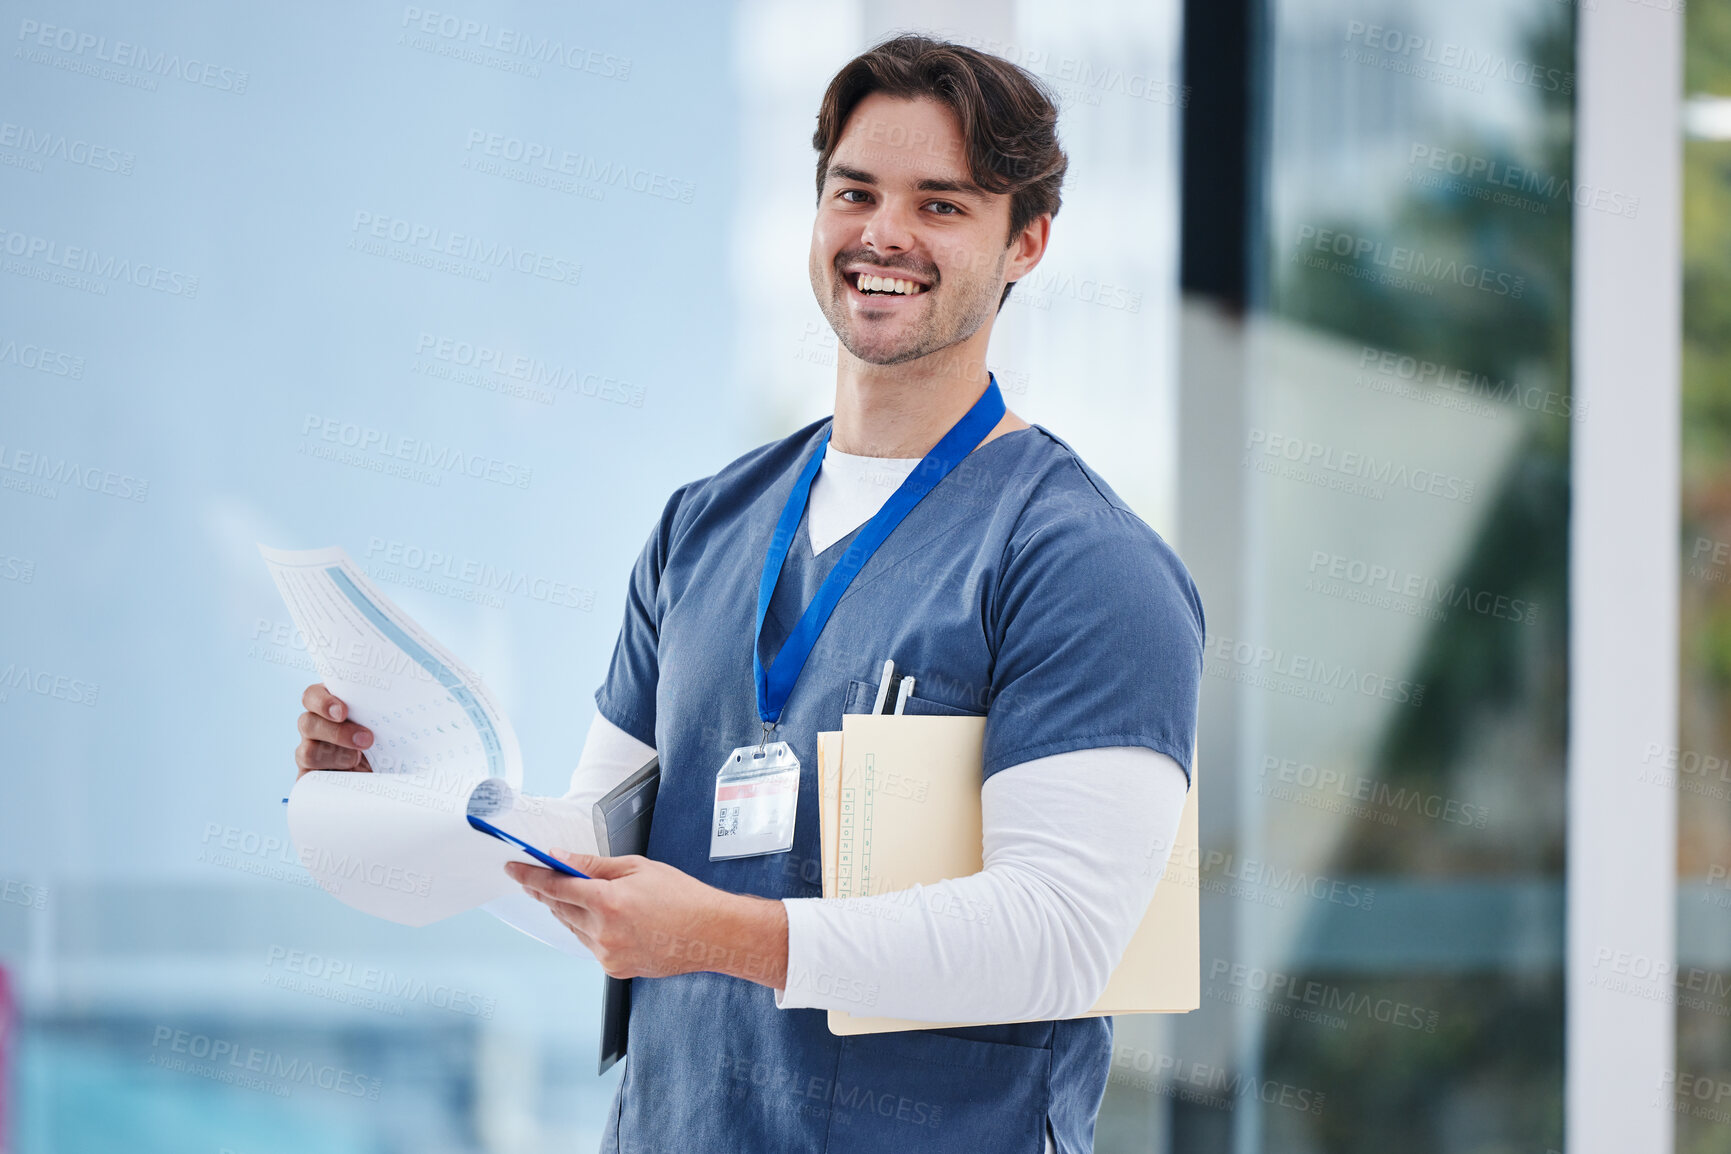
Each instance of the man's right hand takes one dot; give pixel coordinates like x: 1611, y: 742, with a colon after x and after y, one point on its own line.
x: 328, y: 740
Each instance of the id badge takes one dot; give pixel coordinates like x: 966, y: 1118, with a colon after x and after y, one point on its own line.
x: 756, y: 798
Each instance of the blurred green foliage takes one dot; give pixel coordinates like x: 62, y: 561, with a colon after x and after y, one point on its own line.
x: 1704, y: 603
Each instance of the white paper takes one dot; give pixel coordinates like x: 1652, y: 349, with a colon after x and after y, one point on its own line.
x: 396, y: 846
x: 427, y: 711
x: 397, y: 843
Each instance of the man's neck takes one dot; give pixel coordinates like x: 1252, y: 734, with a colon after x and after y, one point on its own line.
x: 903, y: 410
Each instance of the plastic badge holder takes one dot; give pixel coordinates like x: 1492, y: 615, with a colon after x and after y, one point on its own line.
x: 756, y: 799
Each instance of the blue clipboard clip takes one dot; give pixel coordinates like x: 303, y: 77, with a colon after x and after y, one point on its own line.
x: 545, y: 859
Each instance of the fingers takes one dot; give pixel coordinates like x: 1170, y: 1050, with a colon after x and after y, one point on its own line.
x: 581, y: 906
x: 579, y: 918
x: 349, y: 734
x: 565, y: 919
x: 577, y: 930
x: 542, y: 882
x: 605, y: 868
x: 310, y: 755
x: 317, y: 699
x: 581, y: 862
x: 613, y: 963
x: 538, y: 880
x: 329, y: 744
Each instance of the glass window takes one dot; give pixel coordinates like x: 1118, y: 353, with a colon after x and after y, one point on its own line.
x: 1381, y: 443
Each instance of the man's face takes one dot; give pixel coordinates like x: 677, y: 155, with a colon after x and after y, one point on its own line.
x: 898, y: 202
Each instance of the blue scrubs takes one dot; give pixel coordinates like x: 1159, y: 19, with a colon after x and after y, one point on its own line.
x: 1021, y: 588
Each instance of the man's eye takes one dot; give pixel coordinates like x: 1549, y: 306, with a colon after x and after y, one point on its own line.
x: 949, y: 209
x: 846, y: 193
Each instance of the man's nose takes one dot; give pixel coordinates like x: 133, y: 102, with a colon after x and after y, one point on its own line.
x: 889, y: 228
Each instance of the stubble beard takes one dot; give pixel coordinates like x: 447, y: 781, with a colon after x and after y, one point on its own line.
x: 936, y: 330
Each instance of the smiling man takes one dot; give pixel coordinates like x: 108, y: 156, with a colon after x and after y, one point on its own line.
x: 925, y: 523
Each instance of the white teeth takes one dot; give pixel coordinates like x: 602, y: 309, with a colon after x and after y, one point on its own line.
x: 870, y: 283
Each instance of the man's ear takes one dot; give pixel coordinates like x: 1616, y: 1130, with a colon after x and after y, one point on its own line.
x: 1027, y: 247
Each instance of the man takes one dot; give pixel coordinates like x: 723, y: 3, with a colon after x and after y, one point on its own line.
x: 991, y: 565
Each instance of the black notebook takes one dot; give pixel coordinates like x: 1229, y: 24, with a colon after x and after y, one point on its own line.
x: 622, y: 827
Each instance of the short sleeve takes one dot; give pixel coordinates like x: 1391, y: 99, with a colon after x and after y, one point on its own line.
x: 1099, y: 635
x: 627, y: 697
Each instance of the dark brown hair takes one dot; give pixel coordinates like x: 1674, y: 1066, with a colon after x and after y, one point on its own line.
x: 1008, y: 119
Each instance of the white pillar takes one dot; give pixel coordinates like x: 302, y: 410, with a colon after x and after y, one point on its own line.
x: 1623, y: 571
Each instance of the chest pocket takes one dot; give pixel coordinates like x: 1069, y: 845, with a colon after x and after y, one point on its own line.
x: 862, y: 695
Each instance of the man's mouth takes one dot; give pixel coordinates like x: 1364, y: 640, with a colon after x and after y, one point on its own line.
x: 868, y: 284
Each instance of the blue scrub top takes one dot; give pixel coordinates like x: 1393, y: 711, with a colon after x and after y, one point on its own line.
x: 1021, y: 588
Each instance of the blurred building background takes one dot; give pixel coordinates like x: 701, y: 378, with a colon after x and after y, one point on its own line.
x: 1314, y: 305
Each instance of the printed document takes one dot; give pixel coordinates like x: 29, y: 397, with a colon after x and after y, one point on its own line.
x: 396, y: 843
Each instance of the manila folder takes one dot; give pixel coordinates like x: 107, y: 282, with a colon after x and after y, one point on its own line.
x: 899, y: 805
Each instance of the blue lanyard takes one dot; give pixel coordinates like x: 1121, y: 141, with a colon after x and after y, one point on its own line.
x: 775, y: 683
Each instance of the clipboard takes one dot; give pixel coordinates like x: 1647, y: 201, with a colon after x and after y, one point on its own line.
x: 622, y: 827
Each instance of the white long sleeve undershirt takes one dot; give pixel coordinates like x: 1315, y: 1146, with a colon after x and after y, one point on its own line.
x: 1074, y: 845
